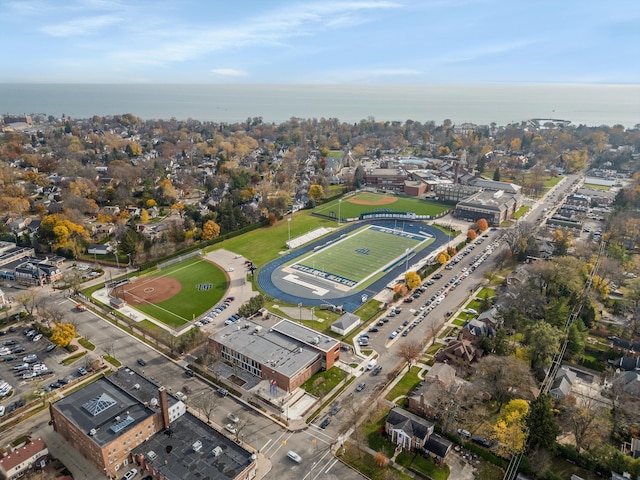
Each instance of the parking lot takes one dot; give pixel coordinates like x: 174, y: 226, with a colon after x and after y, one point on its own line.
x: 30, y: 365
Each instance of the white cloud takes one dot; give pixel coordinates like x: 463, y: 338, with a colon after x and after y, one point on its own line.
x: 275, y: 29
x: 81, y: 26
x: 229, y: 72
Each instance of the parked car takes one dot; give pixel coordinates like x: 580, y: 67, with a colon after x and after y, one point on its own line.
x: 336, y: 408
x: 187, y: 389
x: 325, y: 423
x: 82, y: 371
x: 481, y: 441
x: 31, y: 358
x: 230, y: 427
x: 360, y: 387
x: 376, y: 370
x: 141, y: 362
x: 50, y: 347
x: 222, y: 392
x: 294, y: 456
x: 189, y: 373
x: 233, y: 417
x: 130, y: 474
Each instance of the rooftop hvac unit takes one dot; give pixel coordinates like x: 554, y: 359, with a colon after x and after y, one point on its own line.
x: 197, y: 445
x: 217, y: 451
x: 92, y: 432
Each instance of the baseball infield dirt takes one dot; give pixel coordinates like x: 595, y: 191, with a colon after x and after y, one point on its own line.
x: 148, y: 290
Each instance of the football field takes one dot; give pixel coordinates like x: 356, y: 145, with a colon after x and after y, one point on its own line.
x: 360, y: 255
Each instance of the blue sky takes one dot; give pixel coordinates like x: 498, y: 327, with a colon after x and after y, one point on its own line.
x: 320, y: 42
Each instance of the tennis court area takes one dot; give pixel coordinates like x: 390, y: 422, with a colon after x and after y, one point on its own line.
x: 358, y: 256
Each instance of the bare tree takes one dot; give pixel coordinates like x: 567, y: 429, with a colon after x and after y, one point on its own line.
x: 585, y: 419
x: 409, y: 352
x: 505, y: 378
x: 28, y: 301
x: 206, y: 404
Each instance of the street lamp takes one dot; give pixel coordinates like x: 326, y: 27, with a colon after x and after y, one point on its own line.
x: 406, y: 258
x: 289, y: 225
x: 339, y: 213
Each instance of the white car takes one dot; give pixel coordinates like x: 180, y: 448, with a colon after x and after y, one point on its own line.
x: 1, y: 410
x: 233, y: 417
x: 230, y: 427
x: 294, y: 456
x: 130, y: 474
x: 181, y: 396
x: 37, y: 337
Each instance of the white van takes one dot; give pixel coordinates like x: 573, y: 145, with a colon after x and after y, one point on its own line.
x: 371, y: 364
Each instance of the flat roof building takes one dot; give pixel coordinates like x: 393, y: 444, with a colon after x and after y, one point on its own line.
x: 494, y: 207
x: 110, y: 421
x: 287, y: 353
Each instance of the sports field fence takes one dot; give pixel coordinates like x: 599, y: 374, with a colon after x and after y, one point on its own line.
x: 174, y: 261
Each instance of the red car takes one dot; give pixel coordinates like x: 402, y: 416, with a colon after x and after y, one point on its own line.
x: 186, y: 389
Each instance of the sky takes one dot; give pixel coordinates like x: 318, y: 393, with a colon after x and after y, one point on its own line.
x: 320, y: 42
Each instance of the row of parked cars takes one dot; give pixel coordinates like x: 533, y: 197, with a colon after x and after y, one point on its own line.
x: 209, y: 317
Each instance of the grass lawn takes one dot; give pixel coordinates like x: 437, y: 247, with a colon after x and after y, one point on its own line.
x: 458, y: 322
x: 190, y: 302
x: 489, y: 292
x: 475, y: 304
x: 368, y: 309
x: 433, y: 348
x: 264, y: 244
x: 348, y: 260
x: 363, y: 462
x: 596, y: 187
x: 323, y: 382
x: 425, y: 466
x: 520, y: 212
x: 489, y: 471
x: 86, y: 344
x: 408, y: 382
x: 347, y: 209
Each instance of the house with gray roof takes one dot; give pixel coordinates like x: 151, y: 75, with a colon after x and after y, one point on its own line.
x: 563, y: 383
x: 408, y: 430
x: 345, y: 323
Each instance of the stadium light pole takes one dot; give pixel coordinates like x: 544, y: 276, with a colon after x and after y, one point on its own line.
x: 339, y: 210
x: 289, y: 225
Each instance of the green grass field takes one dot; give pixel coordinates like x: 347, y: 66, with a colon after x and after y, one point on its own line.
x: 359, y: 255
x: 189, y: 302
x: 264, y: 244
x: 346, y: 209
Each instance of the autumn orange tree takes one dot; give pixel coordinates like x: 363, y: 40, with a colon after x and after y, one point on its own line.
x: 62, y: 334
x: 412, y: 280
x: 443, y: 257
x: 210, y: 230
x: 63, y: 233
x: 471, y: 234
x: 482, y: 224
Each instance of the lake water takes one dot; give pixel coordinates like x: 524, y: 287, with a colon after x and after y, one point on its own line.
x: 592, y: 105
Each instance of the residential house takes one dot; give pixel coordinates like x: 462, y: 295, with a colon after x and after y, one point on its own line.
x: 407, y: 430
x: 459, y: 351
x: 563, y: 383
x: 22, y: 461
x: 104, y: 228
x: 425, y: 400
x: 98, y: 249
x: 411, y: 432
x: 476, y: 329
